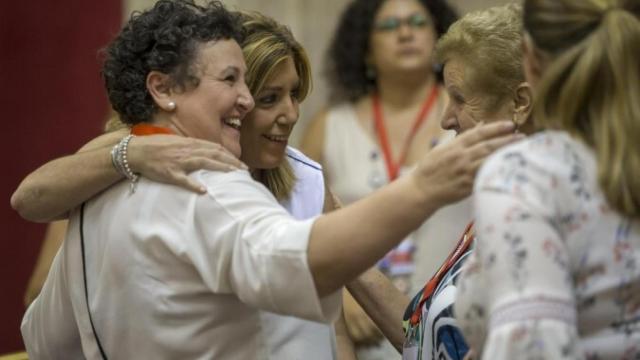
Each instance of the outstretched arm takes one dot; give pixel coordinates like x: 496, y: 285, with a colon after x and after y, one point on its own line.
x: 344, y: 242
x: 60, y: 185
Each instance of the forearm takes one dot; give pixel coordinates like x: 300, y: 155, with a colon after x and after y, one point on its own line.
x: 50, y: 192
x: 346, y: 349
x: 346, y: 242
x: 383, y: 302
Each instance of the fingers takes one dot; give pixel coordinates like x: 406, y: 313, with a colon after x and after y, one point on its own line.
x: 188, y: 183
x: 362, y: 330
x: 228, y: 159
x: 482, y: 132
x: 215, y: 152
x: 203, y: 163
x: 360, y: 327
x: 485, y: 148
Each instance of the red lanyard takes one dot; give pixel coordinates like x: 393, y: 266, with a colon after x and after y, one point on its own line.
x: 461, y: 247
x: 148, y: 129
x: 393, y: 168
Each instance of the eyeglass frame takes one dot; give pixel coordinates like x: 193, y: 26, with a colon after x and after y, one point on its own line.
x: 413, y: 21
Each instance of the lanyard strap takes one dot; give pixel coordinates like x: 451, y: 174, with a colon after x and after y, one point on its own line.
x: 461, y: 247
x: 393, y: 168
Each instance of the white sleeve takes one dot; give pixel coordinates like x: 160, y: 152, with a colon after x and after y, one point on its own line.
x: 521, y: 265
x: 251, y: 247
x: 49, y: 328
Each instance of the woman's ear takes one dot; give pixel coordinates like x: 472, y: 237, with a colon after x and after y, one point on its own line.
x: 523, y: 102
x: 160, y: 87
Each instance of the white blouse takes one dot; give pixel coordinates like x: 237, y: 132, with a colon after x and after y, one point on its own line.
x: 176, y: 275
x: 556, y: 272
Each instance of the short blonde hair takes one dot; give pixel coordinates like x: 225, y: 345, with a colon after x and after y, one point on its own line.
x: 591, y: 86
x: 489, y: 42
x: 267, y: 44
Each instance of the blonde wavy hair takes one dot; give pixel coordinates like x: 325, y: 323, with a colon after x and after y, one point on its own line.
x: 492, y: 41
x: 267, y: 44
x: 591, y: 86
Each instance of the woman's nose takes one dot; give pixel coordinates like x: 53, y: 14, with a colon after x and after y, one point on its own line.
x: 245, y: 100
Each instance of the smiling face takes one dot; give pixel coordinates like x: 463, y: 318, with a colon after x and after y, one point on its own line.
x: 402, y: 37
x: 214, y: 109
x: 266, y: 130
x: 467, y: 105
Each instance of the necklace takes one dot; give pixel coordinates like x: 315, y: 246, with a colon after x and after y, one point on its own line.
x: 393, y: 167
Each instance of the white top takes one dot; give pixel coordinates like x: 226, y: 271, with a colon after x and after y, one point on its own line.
x: 556, y: 271
x: 289, y: 337
x: 176, y: 275
x: 354, y: 167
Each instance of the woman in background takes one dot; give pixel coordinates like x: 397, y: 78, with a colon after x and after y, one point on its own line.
x: 556, y: 270
x: 386, y: 106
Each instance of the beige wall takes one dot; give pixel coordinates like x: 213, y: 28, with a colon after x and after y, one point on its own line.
x: 312, y: 22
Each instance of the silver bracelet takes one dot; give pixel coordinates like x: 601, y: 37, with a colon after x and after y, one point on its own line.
x: 121, y: 163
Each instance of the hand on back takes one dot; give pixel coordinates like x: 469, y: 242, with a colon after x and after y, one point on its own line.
x: 169, y: 159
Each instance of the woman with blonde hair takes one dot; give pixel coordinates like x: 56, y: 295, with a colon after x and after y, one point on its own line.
x: 556, y: 273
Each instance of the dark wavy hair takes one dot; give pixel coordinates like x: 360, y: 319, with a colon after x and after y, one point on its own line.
x: 165, y: 38
x: 346, y: 70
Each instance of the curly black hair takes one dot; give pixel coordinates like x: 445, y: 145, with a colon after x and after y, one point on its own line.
x: 165, y: 39
x: 346, y: 70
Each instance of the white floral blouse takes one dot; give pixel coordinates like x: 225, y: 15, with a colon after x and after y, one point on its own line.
x: 556, y: 272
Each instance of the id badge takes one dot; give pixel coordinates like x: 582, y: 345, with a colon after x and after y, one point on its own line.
x: 410, y: 348
x: 410, y: 352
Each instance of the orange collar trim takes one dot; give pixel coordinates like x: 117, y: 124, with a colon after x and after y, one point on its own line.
x: 148, y: 129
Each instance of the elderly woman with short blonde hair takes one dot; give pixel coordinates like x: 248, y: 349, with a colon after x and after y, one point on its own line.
x: 482, y: 59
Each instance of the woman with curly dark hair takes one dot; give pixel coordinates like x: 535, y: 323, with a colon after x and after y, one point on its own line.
x: 386, y: 105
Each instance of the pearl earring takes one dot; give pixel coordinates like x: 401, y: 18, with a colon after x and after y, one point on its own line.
x: 171, y: 106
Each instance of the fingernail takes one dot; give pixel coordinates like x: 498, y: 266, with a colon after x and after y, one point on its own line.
x: 244, y: 167
x: 203, y: 190
x: 508, y: 125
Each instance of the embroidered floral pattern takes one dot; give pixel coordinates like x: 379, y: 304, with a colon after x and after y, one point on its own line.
x: 556, y: 272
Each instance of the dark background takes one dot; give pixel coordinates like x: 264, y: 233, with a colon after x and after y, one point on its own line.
x: 51, y: 102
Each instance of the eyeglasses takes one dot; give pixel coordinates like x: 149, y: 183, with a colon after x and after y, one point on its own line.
x: 414, y: 21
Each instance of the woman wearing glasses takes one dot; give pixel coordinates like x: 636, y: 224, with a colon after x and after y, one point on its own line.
x: 385, y: 112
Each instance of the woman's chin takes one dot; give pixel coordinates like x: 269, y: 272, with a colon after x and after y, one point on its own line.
x: 233, y: 145
x: 231, y: 140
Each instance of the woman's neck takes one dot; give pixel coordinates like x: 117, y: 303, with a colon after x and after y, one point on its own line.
x: 402, y: 92
x: 165, y: 120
